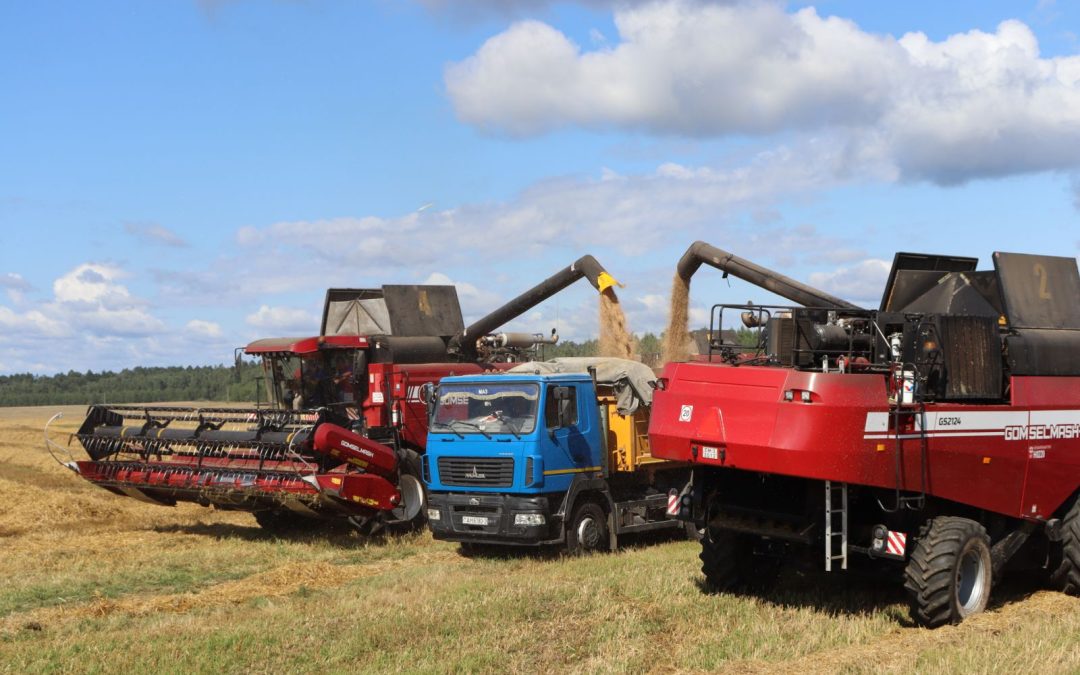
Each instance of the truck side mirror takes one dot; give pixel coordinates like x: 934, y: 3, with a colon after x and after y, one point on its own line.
x: 427, y: 395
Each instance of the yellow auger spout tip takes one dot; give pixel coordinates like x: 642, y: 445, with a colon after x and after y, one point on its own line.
x: 605, y: 281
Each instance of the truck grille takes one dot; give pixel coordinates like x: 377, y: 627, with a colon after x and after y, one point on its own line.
x: 497, y: 472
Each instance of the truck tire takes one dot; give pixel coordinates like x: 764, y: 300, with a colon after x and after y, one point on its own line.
x: 1065, y: 557
x: 949, y: 575
x: 588, y: 530
x: 730, y: 565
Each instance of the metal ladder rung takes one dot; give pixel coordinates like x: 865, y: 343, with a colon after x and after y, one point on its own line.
x: 830, y: 511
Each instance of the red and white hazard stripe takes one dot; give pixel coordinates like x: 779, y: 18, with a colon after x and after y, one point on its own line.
x: 896, y: 543
x: 673, y: 503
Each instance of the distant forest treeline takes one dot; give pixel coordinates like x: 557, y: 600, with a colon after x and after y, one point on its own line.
x: 131, y: 385
x: 214, y: 383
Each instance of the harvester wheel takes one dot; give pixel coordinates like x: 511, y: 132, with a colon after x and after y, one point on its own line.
x: 588, y: 531
x: 1065, y: 561
x: 730, y: 564
x: 949, y: 573
x: 411, y: 514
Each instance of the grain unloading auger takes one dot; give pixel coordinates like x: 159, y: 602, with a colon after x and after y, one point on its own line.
x: 343, y: 434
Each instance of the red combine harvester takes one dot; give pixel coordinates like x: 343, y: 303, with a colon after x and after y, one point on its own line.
x: 344, y: 430
x: 937, y: 436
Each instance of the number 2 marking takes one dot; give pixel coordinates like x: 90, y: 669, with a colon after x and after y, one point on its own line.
x: 1040, y: 272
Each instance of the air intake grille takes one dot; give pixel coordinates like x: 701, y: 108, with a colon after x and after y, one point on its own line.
x: 497, y: 472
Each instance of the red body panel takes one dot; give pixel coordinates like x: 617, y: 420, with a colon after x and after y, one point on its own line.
x: 1019, y: 459
x: 344, y: 445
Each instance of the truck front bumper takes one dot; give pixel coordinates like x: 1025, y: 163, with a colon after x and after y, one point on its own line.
x: 490, y: 519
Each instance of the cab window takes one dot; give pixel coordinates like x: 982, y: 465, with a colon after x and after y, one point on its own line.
x: 560, y: 397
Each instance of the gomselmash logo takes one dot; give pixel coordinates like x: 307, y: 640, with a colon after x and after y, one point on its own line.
x: 475, y: 474
x: 1042, y: 432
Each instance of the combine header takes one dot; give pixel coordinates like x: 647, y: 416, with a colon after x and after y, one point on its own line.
x: 344, y: 429
x: 937, y: 436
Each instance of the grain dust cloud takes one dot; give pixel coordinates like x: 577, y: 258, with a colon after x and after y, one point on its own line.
x: 676, y: 345
x: 615, y: 338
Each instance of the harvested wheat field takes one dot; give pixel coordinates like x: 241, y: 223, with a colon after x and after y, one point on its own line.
x: 95, y: 582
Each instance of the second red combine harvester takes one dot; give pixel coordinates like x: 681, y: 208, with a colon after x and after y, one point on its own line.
x: 937, y: 436
x: 342, y: 435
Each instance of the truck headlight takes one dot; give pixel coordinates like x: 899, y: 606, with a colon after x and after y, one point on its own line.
x: 528, y: 519
x: 434, y: 514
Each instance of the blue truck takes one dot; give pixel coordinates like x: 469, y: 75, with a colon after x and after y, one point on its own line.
x: 547, y: 453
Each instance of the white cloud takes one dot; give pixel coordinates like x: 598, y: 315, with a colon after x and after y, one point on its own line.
x: 152, y: 233
x: 973, y: 105
x: 15, y: 286
x: 281, y: 320
x: 206, y: 329
x: 862, y: 284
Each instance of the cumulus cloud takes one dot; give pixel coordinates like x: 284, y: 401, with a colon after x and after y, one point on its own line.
x: 862, y: 283
x: 205, y: 329
x: 15, y: 286
x: 975, y: 104
x: 152, y: 233
x: 281, y: 320
x: 634, y: 214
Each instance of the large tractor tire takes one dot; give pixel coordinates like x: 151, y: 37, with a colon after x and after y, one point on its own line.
x: 588, y: 529
x: 411, y: 514
x: 949, y: 575
x: 730, y: 564
x: 1065, y: 555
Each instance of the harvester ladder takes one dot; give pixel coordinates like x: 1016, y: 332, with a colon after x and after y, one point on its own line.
x: 833, y: 553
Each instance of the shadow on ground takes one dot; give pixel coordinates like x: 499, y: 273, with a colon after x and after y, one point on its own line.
x: 862, y: 592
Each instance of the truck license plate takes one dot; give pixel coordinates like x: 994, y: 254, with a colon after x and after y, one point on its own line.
x: 474, y: 520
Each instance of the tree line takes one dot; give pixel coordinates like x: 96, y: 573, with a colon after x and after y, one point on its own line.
x: 133, y: 385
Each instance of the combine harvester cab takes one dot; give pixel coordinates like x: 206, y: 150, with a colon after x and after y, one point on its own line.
x: 344, y: 429
x: 938, y: 435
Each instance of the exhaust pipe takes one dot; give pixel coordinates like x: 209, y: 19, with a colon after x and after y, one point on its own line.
x: 729, y: 263
x: 584, y: 267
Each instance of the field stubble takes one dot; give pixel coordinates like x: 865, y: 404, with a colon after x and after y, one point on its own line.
x: 98, y: 582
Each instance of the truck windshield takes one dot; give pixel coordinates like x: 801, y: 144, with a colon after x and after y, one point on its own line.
x: 486, y: 408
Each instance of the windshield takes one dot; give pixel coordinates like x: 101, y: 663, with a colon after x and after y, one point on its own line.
x: 310, y: 380
x: 486, y: 408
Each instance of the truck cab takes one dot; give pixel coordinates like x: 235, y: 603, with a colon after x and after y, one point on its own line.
x: 530, y: 458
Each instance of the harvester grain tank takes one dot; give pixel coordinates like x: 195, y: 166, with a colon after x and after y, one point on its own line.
x: 937, y: 436
x: 552, y: 453
x: 344, y: 429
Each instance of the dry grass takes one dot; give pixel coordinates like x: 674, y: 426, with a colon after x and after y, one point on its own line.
x: 95, y: 582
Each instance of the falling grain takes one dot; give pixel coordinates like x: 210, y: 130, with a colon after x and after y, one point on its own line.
x: 676, y: 345
x: 615, y: 338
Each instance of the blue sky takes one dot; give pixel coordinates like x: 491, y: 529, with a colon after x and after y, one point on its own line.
x: 178, y: 178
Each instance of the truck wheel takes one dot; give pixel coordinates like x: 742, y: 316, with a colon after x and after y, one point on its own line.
x: 1065, y: 565
x: 588, y: 529
x: 729, y: 563
x: 949, y: 573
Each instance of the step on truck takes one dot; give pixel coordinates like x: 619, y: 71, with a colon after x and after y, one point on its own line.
x: 547, y: 454
x: 934, y: 439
